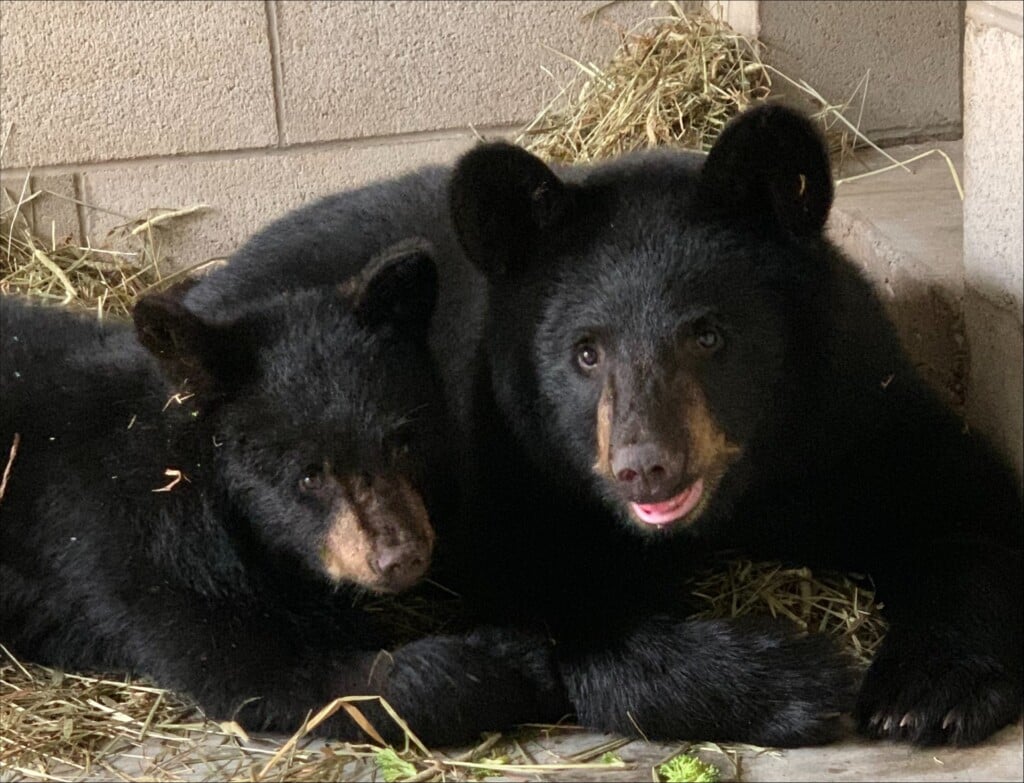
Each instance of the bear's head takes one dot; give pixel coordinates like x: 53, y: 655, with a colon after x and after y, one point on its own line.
x: 643, y: 312
x: 326, y: 416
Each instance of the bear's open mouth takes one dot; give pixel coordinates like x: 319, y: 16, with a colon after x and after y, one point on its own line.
x: 672, y: 509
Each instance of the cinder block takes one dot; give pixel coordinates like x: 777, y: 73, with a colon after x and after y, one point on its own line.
x: 911, y: 49
x: 243, y: 193
x: 997, y: 376
x: 89, y: 81
x: 359, y: 69
x: 55, y: 211
x: 994, y: 165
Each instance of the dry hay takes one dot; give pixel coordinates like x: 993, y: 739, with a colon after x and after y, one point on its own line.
x: 56, y: 269
x: 675, y: 80
x: 675, y: 83
x: 827, y: 602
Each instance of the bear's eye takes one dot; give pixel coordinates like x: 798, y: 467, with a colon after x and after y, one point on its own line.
x: 312, y: 480
x: 708, y: 338
x: 588, y: 355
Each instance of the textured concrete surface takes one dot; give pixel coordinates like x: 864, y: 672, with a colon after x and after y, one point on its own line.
x: 996, y: 387
x: 993, y: 164
x: 85, y: 81
x: 54, y: 213
x: 994, y: 222
x: 904, y: 230
x: 849, y: 759
x: 371, y: 68
x: 245, y: 192
x: 911, y: 49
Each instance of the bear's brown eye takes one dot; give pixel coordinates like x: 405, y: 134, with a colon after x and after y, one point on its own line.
x: 588, y: 356
x: 708, y: 338
x: 312, y: 480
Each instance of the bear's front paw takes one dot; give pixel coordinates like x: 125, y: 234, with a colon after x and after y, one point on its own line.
x: 754, y: 681
x: 936, y: 699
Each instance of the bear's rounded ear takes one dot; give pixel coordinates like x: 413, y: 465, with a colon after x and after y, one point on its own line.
x: 398, y: 287
x: 210, y: 357
x: 769, y: 167
x: 501, y: 198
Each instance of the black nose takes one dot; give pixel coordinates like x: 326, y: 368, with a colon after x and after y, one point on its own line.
x: 402, y: 565
x: 646, y: 471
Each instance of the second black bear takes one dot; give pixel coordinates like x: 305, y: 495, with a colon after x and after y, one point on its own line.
x: 203, y: 503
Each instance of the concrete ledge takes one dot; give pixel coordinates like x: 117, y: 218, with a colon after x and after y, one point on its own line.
x: 905, y: 231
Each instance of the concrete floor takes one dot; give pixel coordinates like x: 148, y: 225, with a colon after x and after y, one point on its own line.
x: 851, y: 759
x: 1001, y: 758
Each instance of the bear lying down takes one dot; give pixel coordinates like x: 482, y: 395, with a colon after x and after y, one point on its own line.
x: 202, y: 503
x: 663, y: 355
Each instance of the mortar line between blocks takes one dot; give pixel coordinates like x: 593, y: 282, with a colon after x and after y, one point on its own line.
x: 78, y: 188
x: 276, y: 68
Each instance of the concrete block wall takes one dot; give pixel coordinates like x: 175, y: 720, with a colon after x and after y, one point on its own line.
x: 994, y: 221
x: 910, y: 51
x: 255, y: 107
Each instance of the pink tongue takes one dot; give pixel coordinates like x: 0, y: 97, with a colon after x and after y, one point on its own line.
x: 671, y: 509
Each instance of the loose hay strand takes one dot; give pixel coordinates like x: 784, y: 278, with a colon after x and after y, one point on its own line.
x: 15, y: 441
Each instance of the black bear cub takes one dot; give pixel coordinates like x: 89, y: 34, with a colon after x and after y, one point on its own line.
x: 202, y: 501
x: 675, y: 347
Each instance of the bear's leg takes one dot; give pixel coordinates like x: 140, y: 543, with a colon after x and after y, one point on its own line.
x: 949, y: 670
x: 270, y: 672
x: 738, y: 680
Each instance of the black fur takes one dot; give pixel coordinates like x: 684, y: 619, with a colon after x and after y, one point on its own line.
x: 217, y: 586
x: 843, y: 457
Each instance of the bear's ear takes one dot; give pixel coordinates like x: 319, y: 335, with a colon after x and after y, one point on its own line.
x: 398, y: 287
x: 769, y: 167
x: 501, y: 198
x: 213, y: 358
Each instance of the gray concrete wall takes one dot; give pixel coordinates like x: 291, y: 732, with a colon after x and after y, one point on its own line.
x: 912, y: 50
x: 255, y: 107
x: 994, y: 221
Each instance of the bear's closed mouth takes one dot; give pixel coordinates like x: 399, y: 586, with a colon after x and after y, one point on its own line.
x: 672, y: 509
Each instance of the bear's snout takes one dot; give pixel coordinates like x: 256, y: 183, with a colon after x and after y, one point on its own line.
x: 647, y: 472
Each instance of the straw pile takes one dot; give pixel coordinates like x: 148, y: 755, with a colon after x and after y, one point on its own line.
x: 820, y: 603
x: 676, y: 81
x: 107, y: 280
